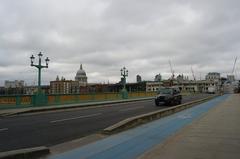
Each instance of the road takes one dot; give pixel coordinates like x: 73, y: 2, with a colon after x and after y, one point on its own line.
x: 51, y: 128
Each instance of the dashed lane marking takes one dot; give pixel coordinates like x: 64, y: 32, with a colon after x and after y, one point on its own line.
x: 74, y: 118
x: 3, y: 129
x: 129, y: 109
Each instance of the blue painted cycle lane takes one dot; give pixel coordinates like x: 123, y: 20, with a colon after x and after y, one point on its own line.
x: 134, y: 142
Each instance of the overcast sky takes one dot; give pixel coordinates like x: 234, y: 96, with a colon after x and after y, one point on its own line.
x: 106, y: 35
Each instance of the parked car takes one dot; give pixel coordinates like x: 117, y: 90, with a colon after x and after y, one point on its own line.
x: 168, y: 96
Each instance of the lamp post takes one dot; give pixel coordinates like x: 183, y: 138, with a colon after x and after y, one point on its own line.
x: 39, y: 66
x: 124, y: 74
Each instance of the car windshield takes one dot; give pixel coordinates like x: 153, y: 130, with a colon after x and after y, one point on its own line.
x: 165, y: 91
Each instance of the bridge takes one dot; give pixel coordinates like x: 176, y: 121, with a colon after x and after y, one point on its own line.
x: 206, y: 129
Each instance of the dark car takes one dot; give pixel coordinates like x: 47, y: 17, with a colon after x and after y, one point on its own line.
x: 168, y: 96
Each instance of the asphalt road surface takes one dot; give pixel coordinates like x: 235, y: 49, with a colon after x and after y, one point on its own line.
x: 51, y: 128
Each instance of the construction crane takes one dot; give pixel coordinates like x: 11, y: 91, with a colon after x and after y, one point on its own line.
x: 193, y: 74
x: 234, y: 65
x: 172, y: 77
x: 171, y: 69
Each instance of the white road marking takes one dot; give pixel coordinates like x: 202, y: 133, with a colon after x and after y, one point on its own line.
x: 129, y: 109
x: 3, y: 129
x: 79, y: 117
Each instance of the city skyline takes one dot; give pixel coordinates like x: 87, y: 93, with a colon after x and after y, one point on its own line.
x: 61, y: 77
x: 106, y: 35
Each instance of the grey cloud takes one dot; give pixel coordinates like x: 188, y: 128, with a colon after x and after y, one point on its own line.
x: 106, y: 35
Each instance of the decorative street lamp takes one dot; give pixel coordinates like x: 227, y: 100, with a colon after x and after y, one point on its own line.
x: 124, y: 74
x: 39, y: 66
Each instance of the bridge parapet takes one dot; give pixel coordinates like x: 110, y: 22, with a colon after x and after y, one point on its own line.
x: 18, y: 101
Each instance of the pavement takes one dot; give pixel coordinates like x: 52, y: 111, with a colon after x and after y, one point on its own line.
x: 215, y: 135
x: 208, y: 130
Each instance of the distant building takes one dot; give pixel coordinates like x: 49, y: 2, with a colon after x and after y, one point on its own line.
x: 223, y: 80
x: 213, y: 76
x: 14, y: 87
x: 14, y: 84
x: 230, y: 78
x: 30, y: 90
x: 2, y: 90
x: 202, y: 86
x: 131, y: 87
x: 180, y: 78
x: 81, y: 76
x: 158, y: 78
x: 153, y: 86
x: 139, y: 78
x: 230, y: 87
x: 64, y: 86
x: 99, y: 87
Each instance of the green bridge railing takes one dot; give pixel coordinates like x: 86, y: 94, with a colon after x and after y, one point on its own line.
x: 20, y: 101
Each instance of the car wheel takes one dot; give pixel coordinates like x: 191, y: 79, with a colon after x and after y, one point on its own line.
x: 157, y: 103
